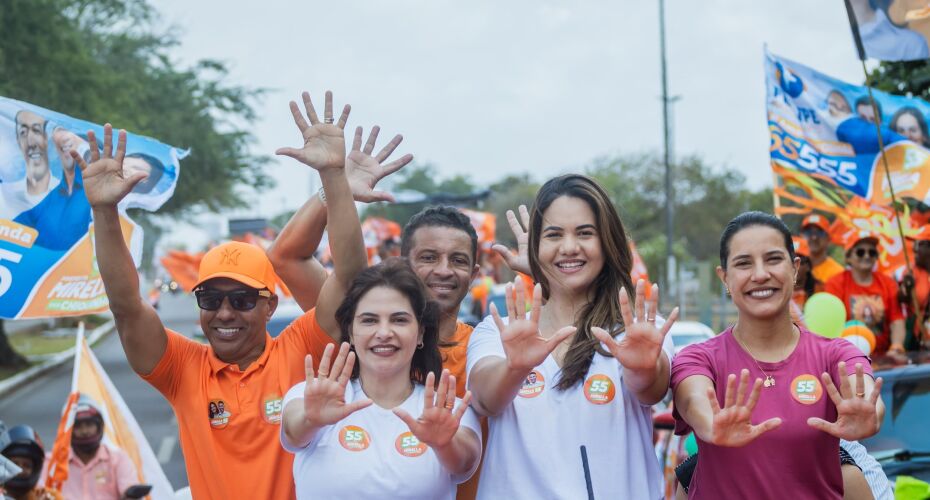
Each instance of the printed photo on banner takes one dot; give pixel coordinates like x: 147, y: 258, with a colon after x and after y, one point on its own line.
x: 45, y: 218
x: 893, y: 30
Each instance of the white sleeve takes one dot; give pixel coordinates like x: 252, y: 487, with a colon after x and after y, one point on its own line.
x: 294, y: 393
x: 484, y: 341
x: 469, y: 420
x: 871, y: 469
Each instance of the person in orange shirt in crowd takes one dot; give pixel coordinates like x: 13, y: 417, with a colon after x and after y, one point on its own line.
x: 805, y: 284
x: 870, y: 296
x: 816, y: 231
x: 917, y: 286
x: 243, y: 373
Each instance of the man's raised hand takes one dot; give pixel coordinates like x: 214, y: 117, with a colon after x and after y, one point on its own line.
x: 324, y: 142
x: 364, y: 170
x: 105, y: 183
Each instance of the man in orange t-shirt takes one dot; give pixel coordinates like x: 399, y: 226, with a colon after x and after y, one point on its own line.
x: 870, y: 296
x: 816, y: 231
x: 227, y: 395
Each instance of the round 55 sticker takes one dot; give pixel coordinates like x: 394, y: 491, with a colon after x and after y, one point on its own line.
x: 408, y: 445
x: 354, y: 438
x: 806, y: 389
x: 599, y: 389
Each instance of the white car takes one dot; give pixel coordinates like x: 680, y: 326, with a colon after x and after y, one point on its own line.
x: 685, y: 333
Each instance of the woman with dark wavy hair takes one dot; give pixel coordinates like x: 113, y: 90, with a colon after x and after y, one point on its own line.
x: 578, y: 373
x: 383, y: 426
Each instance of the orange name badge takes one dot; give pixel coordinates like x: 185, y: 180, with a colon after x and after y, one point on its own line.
x: 354, y: 438
x: 599, y: 389
x: 806, y: 389
x: 533, y: 385
x: 408, y: 445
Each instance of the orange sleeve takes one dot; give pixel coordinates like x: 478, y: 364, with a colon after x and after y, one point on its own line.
x: 168, y: 374
x: 308, y: 333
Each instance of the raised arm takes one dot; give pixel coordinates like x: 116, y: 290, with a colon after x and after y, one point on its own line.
x: 140, y: 330
x: 292, y: 251
x: 495, y: 381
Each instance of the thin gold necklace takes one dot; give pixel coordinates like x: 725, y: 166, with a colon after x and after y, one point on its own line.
x: 769, y: 379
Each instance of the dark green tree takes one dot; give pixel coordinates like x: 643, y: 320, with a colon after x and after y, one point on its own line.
x: 107, y: 61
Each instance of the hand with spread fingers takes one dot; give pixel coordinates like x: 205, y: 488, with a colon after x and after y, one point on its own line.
x: 364, y: 170
x: 324, y: 395
x: 520, y: 262
x: 524, y: 347
x: 440, y: 419
x: 324, y: 142
x: 857, y: 414
x: 641, y: 345
x: 732, y: 425
x: 105, y: 182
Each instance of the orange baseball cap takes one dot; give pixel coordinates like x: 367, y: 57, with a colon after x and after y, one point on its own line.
x: 800, y: 247
x: 858, y: 236
x: 816, y: 220
x: 239, y: 261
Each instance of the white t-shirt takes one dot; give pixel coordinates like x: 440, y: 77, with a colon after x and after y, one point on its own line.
x: 372, y: 454
x: 534, y: 445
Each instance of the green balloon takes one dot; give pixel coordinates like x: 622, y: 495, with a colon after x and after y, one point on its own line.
x: 691, y: 444
x: 825, y: 314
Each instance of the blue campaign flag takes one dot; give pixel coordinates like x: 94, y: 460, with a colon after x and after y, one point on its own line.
x: 824, y: 127
x: 46, y: 254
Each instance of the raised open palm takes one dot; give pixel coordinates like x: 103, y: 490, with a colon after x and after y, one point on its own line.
x: 324, y: 142
x: 641, y: 344
x: 105, y: 182
x: 364, y: 170
x: 732, y: 425
x: 524, y: 347
x: 520, y: 262
x: 440, y: 420
x: 324, y: 395
x: 856, y: 413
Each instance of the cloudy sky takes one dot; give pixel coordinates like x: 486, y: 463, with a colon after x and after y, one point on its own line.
x: 485, y: 88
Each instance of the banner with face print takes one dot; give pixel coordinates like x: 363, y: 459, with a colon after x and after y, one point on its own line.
x: 825, y: 154
x: 47, y: 265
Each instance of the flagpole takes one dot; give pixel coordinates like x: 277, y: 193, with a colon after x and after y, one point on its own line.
x: 860, y: 49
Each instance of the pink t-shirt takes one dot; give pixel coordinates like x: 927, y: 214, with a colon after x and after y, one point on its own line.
x: 793, y: 461
x: 107, y: 476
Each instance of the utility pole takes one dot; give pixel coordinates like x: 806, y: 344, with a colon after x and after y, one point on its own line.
x: 669, y: 193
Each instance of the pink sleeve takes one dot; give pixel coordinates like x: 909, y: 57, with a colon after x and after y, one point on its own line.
x: 126, y: 474
x: 692, y: 360
x: 844, y: 350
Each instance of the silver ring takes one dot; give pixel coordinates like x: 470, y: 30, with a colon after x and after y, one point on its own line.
x: 328, y: 119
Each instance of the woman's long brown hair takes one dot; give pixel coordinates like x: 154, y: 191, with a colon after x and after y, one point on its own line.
x: 603, y: 306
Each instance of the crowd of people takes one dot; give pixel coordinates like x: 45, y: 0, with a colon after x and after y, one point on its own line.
x: 378, y: 390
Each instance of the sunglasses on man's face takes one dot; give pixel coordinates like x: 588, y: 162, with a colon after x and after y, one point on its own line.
x: 240, y: 300
x: 863, y: 252
x: 813, y: 232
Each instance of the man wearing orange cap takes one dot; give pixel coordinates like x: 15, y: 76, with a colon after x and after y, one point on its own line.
x: 227, y: 395
x: 816, y: 231
x: 918, y: 293
x: 870, y: 296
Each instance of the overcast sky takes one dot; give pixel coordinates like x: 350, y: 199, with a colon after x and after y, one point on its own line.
x: 488, y: 87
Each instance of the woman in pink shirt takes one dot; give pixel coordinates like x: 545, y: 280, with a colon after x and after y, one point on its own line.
x: 779, y: 436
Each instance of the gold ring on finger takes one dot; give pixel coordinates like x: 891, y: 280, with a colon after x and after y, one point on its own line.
x: 328, y: 119
x: 449, y: 406
x: 860, y: 394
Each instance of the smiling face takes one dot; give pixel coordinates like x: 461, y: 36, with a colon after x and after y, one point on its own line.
x: 863, y: 256
x: 760, y: 273
x: 30, y: 135
x: 442, y: 258
x: 570, y: 253
x: 908, y: 126
x: 385, y: 333
x: 237, y: 337
x: 837, y: 105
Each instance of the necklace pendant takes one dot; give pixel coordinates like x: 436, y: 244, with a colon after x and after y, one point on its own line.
x: 769, y: 381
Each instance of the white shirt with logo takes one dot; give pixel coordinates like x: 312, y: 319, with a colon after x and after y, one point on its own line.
x: 372, y: 454
x: 534, y: 446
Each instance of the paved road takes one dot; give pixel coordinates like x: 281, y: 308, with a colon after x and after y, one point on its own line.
x: 39, y: 403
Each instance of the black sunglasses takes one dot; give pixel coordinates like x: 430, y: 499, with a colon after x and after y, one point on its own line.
x: 813, y: 232
x: 862, y: 252
x: 240, y: 300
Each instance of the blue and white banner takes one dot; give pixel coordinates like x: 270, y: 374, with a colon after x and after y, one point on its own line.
x: 47, y: 266
x: 824, y: 127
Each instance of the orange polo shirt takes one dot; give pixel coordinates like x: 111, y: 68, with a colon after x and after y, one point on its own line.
x: 453, y: 357
x: 827, y: 269
x: 229, y: 420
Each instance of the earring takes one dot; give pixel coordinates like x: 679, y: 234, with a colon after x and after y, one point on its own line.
x: 420, y: 345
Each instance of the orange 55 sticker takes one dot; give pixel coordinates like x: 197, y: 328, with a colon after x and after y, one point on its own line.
x: 599, y: 389
x: 354, y: 438
x: 806, y: 389
x: 409, y: 446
